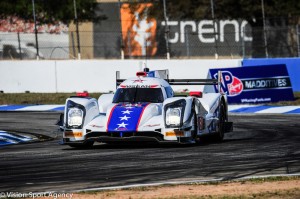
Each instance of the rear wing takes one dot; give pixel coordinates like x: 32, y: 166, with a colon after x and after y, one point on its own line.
x: 183, y: 81
x: 192, y: 81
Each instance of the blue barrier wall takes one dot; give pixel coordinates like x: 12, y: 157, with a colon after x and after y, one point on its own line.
x: 292, y: 64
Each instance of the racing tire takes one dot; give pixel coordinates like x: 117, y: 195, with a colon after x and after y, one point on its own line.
x: 85, y: 145
x: 194, y: 133
x: 222, y: 119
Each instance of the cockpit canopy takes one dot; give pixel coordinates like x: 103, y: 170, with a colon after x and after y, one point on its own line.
x: 143, y: 89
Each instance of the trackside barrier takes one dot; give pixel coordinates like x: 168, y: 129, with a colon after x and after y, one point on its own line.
x: 257, y: 84
x: 50, y: 76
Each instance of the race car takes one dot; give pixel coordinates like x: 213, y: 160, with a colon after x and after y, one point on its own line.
x: 145, y: 109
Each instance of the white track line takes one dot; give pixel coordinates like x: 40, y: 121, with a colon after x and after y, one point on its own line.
x: 235, y: 107
x: 280, y: 109
x: 39, y: 108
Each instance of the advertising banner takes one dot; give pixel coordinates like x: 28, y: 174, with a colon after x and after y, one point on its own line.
x: 138, y: 31
x: 257, y: 84
x: 132, y: 28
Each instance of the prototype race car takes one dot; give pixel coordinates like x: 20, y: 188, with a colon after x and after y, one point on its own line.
x: 144, y: 108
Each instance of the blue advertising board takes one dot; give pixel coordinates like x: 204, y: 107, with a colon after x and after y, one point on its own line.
x: 292, y: 65
x: 257, y: 84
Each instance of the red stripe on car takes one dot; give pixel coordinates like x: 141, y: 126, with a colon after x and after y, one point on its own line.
x: 138, y: 123
x: 109, y: 118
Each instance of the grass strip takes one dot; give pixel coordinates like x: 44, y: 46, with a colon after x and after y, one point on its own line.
x: 269, y: 187
x: 38, y: 98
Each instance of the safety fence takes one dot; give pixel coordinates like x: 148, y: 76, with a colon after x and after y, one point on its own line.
x: 128, y: 30
x: 189, y: 43
x: 130, y: 36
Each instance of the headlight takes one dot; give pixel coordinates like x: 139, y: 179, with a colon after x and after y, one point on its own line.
x: 174, y: 112
x: 173, y: 116
x: 75, y: 117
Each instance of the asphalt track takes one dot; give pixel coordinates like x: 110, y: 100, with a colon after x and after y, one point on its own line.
x: 259, y: 145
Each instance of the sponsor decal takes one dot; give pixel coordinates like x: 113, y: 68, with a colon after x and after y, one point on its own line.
x: 125, y: 117
x: 152, y: 125
x: 138, y: 81
x: 276, y: 82
x: 139, y: 86
x: 257, y: 84
x: 231, y: 85
x: 256, y: 100
x: 96, y: 126
x: 138, y: 30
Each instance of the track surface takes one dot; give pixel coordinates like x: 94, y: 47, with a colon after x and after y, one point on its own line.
x: 260, y: 145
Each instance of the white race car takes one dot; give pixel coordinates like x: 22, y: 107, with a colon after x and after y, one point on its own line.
x: 144, y: 109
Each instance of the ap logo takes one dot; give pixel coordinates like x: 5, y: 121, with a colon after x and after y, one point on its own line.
x: 231, y: 85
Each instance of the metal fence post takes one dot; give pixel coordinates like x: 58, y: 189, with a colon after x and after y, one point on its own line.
x: 35, y: 31
x: 73, y: 44
x: 19, y: 42
x: 121, y: 33
x: 214, y: 24
x: 77, y: 29
x: 264, y: 27
x: 167, y: 30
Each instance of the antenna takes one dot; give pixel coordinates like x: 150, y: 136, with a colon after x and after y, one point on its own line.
x: 146, y: 69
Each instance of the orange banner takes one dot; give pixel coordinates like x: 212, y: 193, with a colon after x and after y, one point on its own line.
x: 138, y: 30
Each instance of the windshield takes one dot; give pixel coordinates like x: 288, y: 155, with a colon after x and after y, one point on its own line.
x: 134, y: 95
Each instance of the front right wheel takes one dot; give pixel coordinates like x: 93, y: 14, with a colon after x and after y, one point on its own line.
x: 222, y: 119
x: 195, y: 131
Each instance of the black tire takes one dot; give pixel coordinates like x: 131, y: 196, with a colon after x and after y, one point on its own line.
x: 85, y: 145
x: 222, y: 119
x: 194, y: 132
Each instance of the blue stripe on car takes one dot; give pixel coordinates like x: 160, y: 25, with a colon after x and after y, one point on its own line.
x: 125, y: 117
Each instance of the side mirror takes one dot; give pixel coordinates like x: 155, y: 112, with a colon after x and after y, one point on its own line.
x: 60, y: 121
